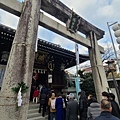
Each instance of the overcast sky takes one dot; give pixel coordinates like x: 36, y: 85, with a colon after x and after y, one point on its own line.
x: 97, y: 12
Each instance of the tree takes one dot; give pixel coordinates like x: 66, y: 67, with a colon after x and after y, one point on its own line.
x: 87, y: 83
x: 108, y: 54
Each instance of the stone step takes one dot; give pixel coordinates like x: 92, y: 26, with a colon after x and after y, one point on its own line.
x: 33, y: 110
x: 33, y: 115
x: 38, y: 118
x: 33, y: 106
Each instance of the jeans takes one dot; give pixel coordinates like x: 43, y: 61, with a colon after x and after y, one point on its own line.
x: 52, y: 115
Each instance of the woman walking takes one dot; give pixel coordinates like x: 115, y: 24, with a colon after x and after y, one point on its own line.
x: 59, y: 108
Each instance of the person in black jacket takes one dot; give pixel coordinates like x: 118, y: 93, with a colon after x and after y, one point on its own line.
x: 43, y: 102
x: 105, y: 95
x: 89, y: 100
x: 82, y: 105
x: 106, y: 109
x: 115, y: 108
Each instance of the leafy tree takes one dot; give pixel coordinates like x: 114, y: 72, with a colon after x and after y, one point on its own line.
x: 87, y: 83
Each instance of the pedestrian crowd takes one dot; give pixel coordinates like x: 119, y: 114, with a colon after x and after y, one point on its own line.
x: 61, y: 107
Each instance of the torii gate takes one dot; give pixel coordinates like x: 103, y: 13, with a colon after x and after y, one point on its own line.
x: 21, y: 59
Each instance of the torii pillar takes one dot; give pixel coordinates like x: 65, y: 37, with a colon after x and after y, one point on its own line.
x: 98, y: 71
x: 20, y: 64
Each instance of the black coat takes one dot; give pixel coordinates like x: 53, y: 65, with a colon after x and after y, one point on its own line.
x: 115, y: 109
x: 105, y: 115
x: 43, y: 98
x: 83, y: 109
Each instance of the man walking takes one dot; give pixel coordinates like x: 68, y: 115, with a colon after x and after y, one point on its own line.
x: 43, y: 101
x: 106, y: 109
x: 72, y: 108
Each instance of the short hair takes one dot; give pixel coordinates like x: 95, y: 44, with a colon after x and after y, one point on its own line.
x: 105, y: 104
x: 93, y: 99
x: 112, y: 96
x: 105, y: 94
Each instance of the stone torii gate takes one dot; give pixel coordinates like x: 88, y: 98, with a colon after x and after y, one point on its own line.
x: 20, y: 64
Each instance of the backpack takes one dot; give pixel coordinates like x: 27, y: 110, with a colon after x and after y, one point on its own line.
x: 53, y: 103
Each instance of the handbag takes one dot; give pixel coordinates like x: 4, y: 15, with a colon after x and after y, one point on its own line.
x: 64, y: 104
x: 90, y: 118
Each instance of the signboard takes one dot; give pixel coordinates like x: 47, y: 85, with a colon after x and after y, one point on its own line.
x: 77, y: 53
x: 2, y: 72
x: 73, y: 23
x: 49, y: 78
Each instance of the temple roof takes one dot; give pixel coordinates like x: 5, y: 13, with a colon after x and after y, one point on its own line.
x: 58, y: 50
x: 7, y: 35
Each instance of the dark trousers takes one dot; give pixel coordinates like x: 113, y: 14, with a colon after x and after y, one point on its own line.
x: 48, y: 113
x: 44, y: 109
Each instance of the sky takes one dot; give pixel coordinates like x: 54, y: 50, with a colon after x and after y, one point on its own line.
x: 97, y: 12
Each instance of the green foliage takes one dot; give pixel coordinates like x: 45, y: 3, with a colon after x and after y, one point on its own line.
x: 23, y: 87
x: 87, y: 83
x: 88, y: 86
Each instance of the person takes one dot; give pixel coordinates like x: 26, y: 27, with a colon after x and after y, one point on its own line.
x: 115, y: 108
x: 50, y: 91
x: 105, y: 95
x: 35, y: 95
x: 51, y: 104
x: 82, y: 105
x: 89, y: 100
x: 35, y: 78
x: 43, y: 101
x: 64, y: 105
x: 67, y: 98
x: 72, y: 108
x: 44, y: 90
x: 59, y: 108
x: 94, y: 109
x: 106, y: 109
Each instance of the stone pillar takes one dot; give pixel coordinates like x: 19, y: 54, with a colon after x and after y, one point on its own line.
x: 99, y: 77
x: 20, y: 64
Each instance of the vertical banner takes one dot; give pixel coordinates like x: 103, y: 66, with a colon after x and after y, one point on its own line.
x: 77, y: 85
x: 2, y: 72
x: 77, y: 79
x: 77, y: 53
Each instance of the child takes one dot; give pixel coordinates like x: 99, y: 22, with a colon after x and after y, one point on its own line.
x: 35, y: 95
